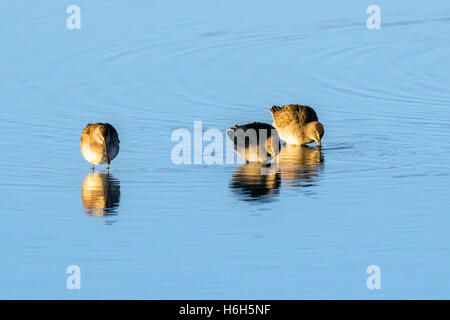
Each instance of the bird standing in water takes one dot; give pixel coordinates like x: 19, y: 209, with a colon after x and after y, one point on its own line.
x: 297, y: 124
x: 255, y: 142
x: 99, y: 143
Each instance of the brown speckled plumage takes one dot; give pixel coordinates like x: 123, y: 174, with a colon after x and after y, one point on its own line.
x: 99, y: 143
x: 297, y: 124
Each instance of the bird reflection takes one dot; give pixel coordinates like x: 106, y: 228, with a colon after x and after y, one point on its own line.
x: 255, y: 181
x: 100, y: 193
x: 297, y: 166
x: 300, y: 165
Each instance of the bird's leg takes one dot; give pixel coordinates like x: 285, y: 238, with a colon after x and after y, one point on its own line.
x: 92, y: 168
x: 108, y: 167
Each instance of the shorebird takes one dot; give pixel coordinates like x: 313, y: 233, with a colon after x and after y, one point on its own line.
x: 99, y: 143
x: 255, y: 142
x: 297, y: 124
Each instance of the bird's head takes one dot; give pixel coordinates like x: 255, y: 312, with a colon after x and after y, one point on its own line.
x: 315, y: 131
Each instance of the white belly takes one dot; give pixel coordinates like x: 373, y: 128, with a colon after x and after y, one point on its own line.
x: 287, y: 137
x: 93, y: 157
x: 290, y: 139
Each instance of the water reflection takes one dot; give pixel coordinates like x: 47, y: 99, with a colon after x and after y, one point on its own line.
x: 100, y: 193
x: 250, y: 185
x: 298, y: 166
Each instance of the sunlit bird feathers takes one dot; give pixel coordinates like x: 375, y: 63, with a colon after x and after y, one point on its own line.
x: 99, y: 143
x: 297, y: 124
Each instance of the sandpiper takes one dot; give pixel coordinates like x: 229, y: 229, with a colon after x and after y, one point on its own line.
x: 99, y: 143
x: 255, y: 142
x: 297, y: 124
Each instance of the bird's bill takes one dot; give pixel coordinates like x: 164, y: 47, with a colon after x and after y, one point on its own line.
x: 318, y: 140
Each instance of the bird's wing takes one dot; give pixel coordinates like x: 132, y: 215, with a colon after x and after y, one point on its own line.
x: 233, y: 134
x: 293, y: 113
x: 113, y: 132
x: 253, y: 125
x: 86, y: 132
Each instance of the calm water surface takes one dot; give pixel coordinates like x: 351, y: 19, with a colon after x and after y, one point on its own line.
x: 377, y: 192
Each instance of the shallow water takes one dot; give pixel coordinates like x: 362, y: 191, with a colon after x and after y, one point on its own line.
x: 376, y: 194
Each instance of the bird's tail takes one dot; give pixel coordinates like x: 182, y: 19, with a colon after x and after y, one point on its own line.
x: 275, y: 109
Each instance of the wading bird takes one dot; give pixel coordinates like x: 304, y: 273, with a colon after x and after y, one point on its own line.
x: 297, y: 124
x: 99, y: 143
x: 255, y: 142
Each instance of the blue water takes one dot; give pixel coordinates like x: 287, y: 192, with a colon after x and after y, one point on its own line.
x: 376, y: 194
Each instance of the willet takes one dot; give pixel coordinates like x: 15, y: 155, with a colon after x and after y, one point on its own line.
x: 255, y: 142
x: 99, y: 143
x: 297, y: 124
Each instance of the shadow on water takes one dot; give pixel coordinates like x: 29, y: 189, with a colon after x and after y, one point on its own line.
x: 100, y: 193
x: 298, y: 166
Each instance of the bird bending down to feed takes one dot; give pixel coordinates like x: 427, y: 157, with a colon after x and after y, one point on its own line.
x: 99, y: 143
x: 255, y: 142
x: 297, y: 124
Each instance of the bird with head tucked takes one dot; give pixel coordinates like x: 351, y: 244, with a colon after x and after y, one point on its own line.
x: 99, y: 143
